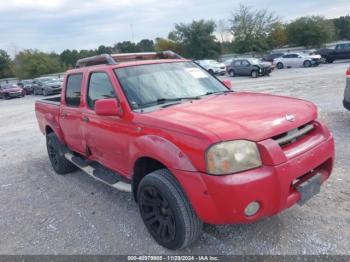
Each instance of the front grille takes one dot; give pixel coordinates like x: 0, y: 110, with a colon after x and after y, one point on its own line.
x: 293, y: 135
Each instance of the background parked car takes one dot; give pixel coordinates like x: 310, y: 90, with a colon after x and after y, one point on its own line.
x: 271, y: 57
x: 27, y: 85
x: 341, y: 51
x: 249, y: 67
x: 346, y: 101
x: 47, y: 86
x: 212, y: 66
x: 10, y: 91
x: 295, y: 60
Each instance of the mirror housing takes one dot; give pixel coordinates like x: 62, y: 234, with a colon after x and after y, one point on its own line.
x: 107, y: 107
x: 227, y: 83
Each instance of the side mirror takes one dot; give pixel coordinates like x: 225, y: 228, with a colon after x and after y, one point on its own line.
x: 107, y: 107
x: 227, y: 83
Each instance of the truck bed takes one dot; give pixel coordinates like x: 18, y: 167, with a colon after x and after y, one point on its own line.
x: 47, y: 112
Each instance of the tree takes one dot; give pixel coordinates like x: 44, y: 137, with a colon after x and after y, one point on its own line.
x: 5, y: 65
x: 145, y: 45
x: 33, y: 63
x: 251, y: 28
x: 166, y: 44
x: 125, y: 47
x: 342, y: 26
x: 311, y: 31
x: 278, y: 36
x: 197, y: 39
x: 69, y: 57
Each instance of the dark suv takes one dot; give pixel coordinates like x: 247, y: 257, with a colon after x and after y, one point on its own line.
x: 341, y: 51
x: 249, y: 67
x: 271, y: 57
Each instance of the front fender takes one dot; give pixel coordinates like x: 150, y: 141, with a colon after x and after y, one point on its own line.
x: 161, y: 150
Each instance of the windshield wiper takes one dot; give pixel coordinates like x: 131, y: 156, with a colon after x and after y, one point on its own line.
x: 218, y: 92
x: 160, y: 101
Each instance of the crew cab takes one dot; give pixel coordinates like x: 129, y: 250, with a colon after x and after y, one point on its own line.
x: 189, y: 149
x: 340, y: 51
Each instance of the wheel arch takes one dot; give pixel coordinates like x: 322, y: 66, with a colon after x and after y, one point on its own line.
x: 149, y: 153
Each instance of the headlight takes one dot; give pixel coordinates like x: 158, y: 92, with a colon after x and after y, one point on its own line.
x: 232, y: 157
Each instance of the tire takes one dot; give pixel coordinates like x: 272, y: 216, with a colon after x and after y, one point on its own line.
x: 254, y: 74
x: 56, y: 155
x: 7, y: 96
x: 307, y: 63
x: 45, y: 92
x: 166, y: 211
x: 34, y: 92
x: 210, y: 71
x: 279, y: 65
x: 232, y: 73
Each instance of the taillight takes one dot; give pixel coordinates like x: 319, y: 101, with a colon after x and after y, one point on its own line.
x: 348, y: 72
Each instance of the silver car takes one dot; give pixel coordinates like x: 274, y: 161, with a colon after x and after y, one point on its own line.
x: 346, y: 101
x: 295, y: 60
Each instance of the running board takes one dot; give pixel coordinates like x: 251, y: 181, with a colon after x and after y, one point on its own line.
x: 99, y: 173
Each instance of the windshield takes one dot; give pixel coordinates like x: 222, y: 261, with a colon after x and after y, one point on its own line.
x: 254, y: 61
x: 144, y: 84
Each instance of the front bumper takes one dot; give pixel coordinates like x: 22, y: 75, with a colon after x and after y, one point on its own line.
x: 17, y: 94
x: 220, y: 71
x: 223, y: 199
x: 53, y: 91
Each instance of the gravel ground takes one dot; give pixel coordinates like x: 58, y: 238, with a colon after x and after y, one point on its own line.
x: 43, y: 213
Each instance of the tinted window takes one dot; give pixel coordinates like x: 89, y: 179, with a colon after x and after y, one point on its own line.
x: 99, y: 87
x: 237, y: 63
x: 245, y: 63
x: 73, y: 90
x: 294, y: 56
x: 286, y: 56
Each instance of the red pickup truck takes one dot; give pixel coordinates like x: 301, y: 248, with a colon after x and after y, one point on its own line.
x: 190, y: 149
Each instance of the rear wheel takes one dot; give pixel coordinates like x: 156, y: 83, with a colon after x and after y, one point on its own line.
x: 279, y: 65
x: 7, y: 96
x: 56, y: 155
x: 166, y: 212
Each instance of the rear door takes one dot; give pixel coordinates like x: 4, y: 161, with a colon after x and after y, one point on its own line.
x: 245, y: 67
x: 70, y: 113
x: 237, y: 67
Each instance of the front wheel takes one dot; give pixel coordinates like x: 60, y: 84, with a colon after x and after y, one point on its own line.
x: 279, y: 65
x: 232, y: 73
x: 307, y: 63
x: 254, y: 74
x: 166, y: 211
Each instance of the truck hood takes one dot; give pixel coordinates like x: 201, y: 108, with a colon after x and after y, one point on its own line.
x: 240, y: 115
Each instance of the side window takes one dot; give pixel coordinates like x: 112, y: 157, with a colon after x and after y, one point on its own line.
x: 99, y: 87
x: 245, y: 63
x: 286, y: 56
x: 73, y: 90
x: 237, y: 63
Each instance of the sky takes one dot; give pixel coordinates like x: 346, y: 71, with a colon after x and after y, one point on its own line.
x: 56, y: 25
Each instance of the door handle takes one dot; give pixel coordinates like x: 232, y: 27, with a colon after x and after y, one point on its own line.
x: 85, y: 119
